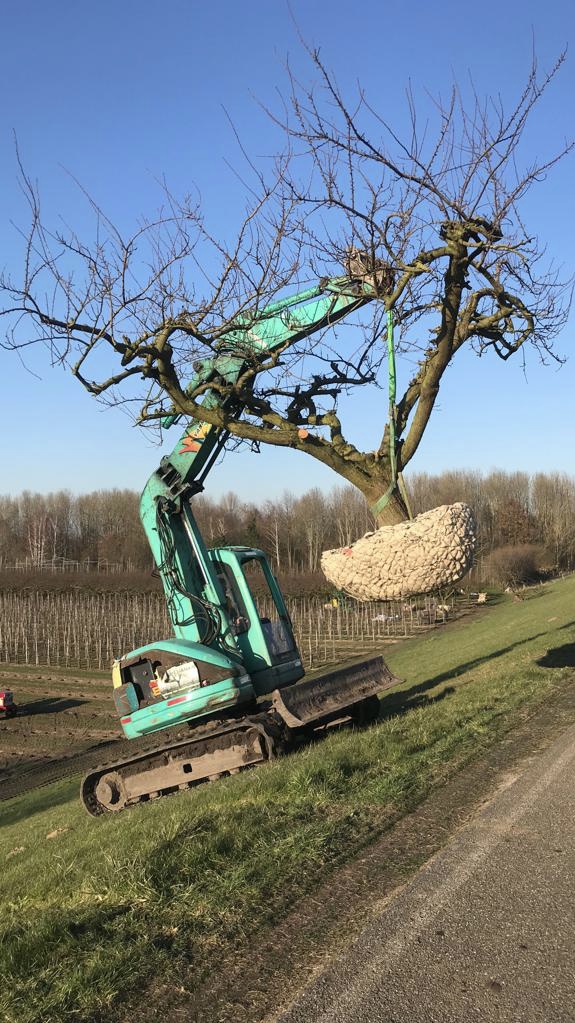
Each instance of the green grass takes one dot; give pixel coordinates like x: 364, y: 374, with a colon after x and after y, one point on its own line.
x: 96, y: 911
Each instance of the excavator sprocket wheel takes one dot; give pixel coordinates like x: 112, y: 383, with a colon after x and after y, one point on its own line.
x: 110, y: 792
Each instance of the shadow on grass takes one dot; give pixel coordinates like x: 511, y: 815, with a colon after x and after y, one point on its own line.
x: 461, y: 669
x: 409, y: 699
x: 21, y: 808
x: 559, y: 657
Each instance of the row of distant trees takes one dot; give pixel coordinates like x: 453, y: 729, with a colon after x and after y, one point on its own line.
x: 512, y: 510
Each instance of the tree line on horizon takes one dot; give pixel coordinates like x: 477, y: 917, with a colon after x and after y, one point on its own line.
x: 512, y: 510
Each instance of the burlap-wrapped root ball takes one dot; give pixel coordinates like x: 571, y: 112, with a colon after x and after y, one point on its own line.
x: 435, y: 549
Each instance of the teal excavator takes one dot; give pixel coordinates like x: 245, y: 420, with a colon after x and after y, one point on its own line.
x: 225, y: 693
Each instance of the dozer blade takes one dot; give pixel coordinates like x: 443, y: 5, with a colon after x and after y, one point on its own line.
x: 333, y: 695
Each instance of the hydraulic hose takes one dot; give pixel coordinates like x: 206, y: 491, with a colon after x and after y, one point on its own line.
x: 205, y: 613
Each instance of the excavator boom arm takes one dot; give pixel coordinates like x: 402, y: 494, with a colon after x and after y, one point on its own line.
x: 192, y: 586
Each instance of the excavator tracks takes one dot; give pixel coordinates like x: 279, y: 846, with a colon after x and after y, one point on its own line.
x: 191, y: 758
x: 226, y: 747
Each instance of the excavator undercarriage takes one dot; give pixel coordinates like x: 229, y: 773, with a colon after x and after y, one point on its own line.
x: 218, y: 748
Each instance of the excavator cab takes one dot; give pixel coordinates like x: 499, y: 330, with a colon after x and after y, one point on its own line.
x: 258, y: 617
x: 251, y: 653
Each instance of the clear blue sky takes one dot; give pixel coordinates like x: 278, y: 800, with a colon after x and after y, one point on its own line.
x: 119, y: 94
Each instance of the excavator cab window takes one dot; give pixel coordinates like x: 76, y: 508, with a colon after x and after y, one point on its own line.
x: 235, y: 607
x: 275, y: 625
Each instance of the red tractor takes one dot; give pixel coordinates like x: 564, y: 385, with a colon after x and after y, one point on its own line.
x: 8, y: 708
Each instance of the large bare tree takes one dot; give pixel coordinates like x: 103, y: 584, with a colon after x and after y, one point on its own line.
x: 439, y: 210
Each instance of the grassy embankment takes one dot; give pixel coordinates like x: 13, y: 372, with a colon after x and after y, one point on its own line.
x: 95, y: 909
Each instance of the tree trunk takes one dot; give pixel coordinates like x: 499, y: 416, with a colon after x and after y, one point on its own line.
x: 373, y: 479
x: 394, y: 511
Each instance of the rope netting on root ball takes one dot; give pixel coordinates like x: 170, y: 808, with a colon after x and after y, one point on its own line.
x: 434, y: 549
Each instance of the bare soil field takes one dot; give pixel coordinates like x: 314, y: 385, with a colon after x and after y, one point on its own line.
x: 62, y: 713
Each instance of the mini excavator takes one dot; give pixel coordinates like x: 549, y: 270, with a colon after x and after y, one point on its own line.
x: 226, y: 692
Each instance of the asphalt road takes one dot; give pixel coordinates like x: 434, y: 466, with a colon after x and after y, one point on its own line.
x: 485, y: 931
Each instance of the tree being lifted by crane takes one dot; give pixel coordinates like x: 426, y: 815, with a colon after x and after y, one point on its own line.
x: 431, y: 224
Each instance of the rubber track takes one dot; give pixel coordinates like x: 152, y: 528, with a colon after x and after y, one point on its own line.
x: 196, y: 736
x: 19, y: 782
